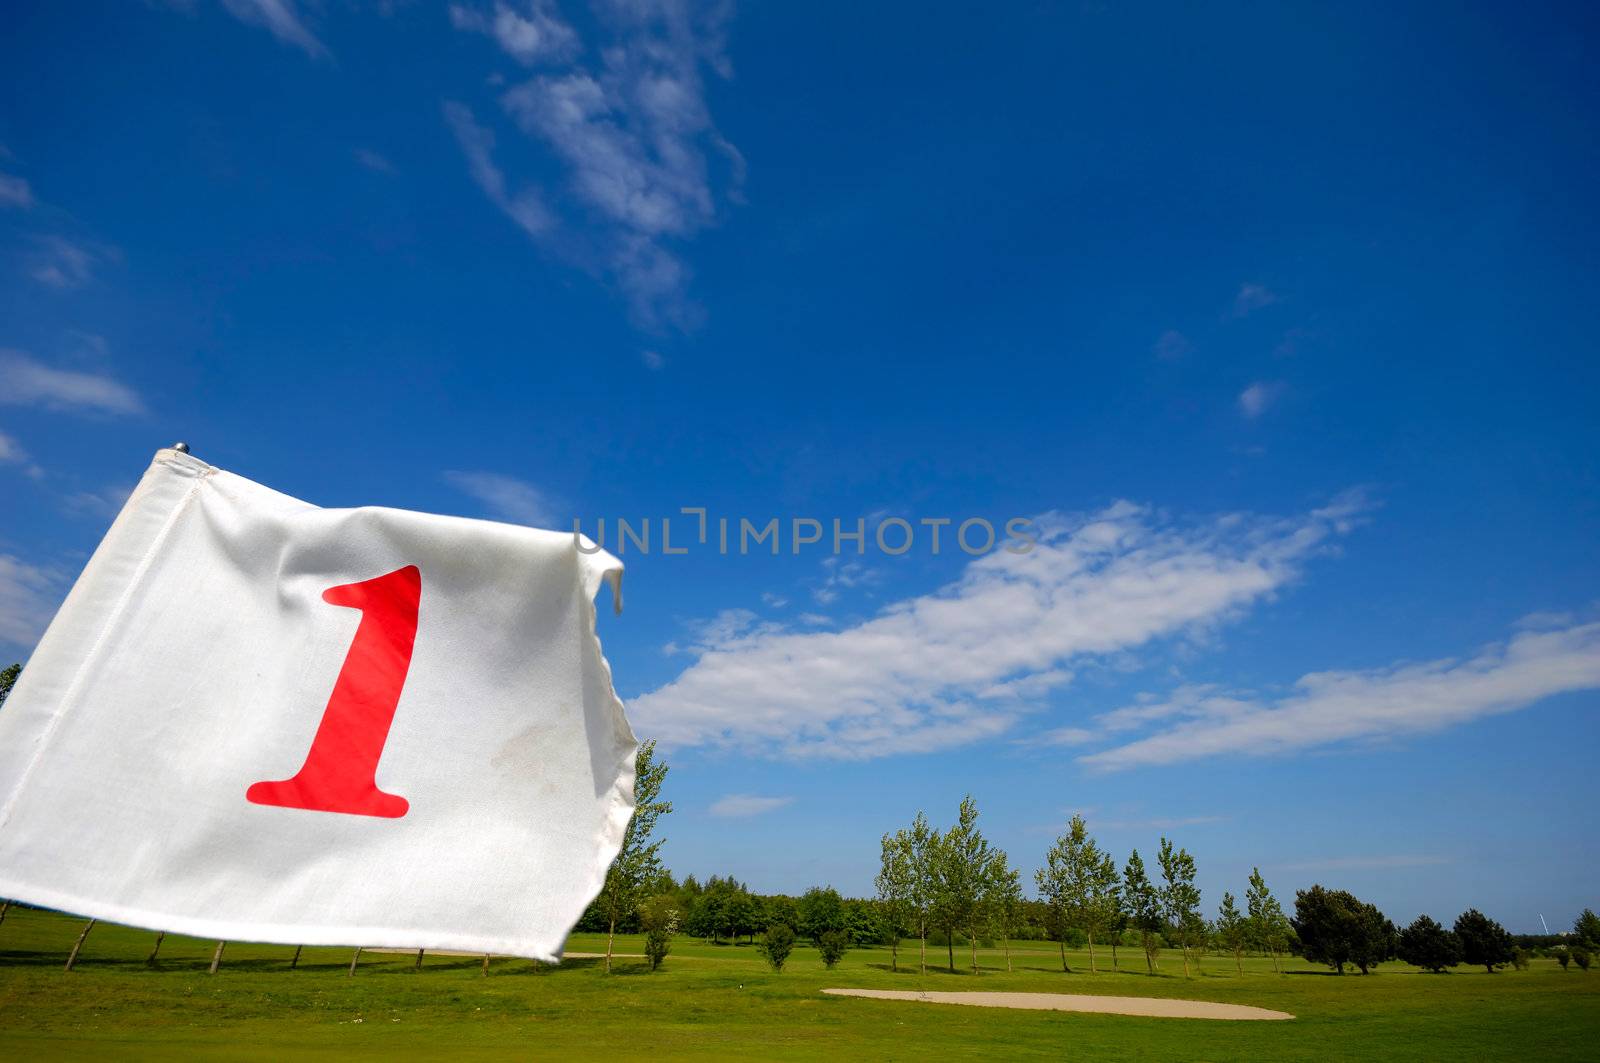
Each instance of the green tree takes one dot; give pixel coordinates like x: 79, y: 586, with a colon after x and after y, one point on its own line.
x: 821, y: 910
x: 832, y: 944
x: 1003, y: 901
x: 1268, y: 925
x: 1586, y: 928
x: 638, y: 861
x: 894, y: 884
x: 1233, y: 930
x: 1103, y: 902
x: 1580, y: 956
x: 1143, y: 904
x: 1428, y: 945
x: 1483, y: 941
x: 922, y: 847
x: 659, y: 917
x: 8, y: 679
x: 1180, y: 900
x: 963, y: 866
x: 776, y: 945
x: 1056, y: 886
x: 1335, y: 928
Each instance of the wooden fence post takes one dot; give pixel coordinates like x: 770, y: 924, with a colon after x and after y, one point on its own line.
x: 353, y: 960
x: 73, y: 958
x: 160, y: 937
x: 296, y: 961
x: 418, y: 965
x: 216, y: 957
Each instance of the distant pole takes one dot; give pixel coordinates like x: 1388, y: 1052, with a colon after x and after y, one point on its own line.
x: 296, y: 961
x: 418, y: 965
x: 159, y: 939
x: 73, y: 958
x: 216, y: 957
x: 4, y: 908
x: 485, y: 965
x: 1541, y: 922
x: 353, y: 961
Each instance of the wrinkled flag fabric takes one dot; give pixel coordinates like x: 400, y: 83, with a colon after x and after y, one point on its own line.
x: 256, y: 719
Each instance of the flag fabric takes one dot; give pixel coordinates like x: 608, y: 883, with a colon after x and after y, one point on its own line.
x: 256, y: 719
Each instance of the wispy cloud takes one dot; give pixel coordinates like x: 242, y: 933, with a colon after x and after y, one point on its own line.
x: 914, y: 678
x: 1161, y: 823
x: 106, y: 502
x: 25, y: 381
x: 736, y: 806
x: 1172, y: 345
x: 281, y: 18
x: 505, y: 497
x: 1255, y: 399
x: 15, y: 192
x: 374, y: 161
x: 631, y: 130
x: 1328, y: 708
x: 63, y: 263
x: 1252, y: 297
x: 653, y: 360
x: 28, y: 598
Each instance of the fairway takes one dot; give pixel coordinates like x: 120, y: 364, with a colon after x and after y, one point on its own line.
x: 722, y: 1000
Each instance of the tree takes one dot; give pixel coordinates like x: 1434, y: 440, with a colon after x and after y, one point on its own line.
x: 1580, y: 956
x: 659, y: 917
x: 8, y: 679
x: 821, y: 909
x: 776, y: 944
x: 1563, y: 957
x: 1055, y: 884
x: 1586, y: 928
x: 832, y: 944
x: 637, y: 862
x: 1428, y: 945
x: 1233, y: 930
x: 1335, y: 928
x: 922, y: 846
x: 1143, y: 906
x: 1483, y: 941
x: 1180, y: 900
x: 1103, y: 902
x: 1003, y: 901
x: 895, y: 890
x: 963, y: 867
x: 1265, y: 917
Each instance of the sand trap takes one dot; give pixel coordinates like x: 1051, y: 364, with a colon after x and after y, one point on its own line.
x: 1156, y: 1007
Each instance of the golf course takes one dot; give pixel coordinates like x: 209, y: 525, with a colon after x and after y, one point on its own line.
x: 724, y: 1000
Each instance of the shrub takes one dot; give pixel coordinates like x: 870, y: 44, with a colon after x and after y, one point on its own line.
x: 832, y: 944
x: 1428, y: 945
x: 1562, y: 958
x: 1581, y: 958
x: 1519, y: 959
x: 776, y: 944
x: 659, y: 917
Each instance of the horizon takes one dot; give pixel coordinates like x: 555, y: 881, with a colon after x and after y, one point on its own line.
x: 1270, y: 333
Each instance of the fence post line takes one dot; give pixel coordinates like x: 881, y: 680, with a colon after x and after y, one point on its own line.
x: 418, y: 965
x: 160, y: 937
x: 353, y: 961
x: 216, y: 957
x: 73, y: 957
x: 296, y: 961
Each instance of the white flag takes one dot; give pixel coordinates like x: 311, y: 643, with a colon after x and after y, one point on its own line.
x: 255, y: 719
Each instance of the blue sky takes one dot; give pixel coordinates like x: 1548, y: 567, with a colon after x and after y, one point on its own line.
x: 1279, y: 325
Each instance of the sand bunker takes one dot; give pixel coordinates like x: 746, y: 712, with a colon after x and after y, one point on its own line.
x: 1157, y: 1007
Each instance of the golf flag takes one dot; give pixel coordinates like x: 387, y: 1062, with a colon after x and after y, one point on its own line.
x: 255, y: 719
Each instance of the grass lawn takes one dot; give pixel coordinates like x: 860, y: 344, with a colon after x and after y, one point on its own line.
x: 723, y: 1001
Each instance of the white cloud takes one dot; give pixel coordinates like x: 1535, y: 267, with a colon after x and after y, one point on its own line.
x: 1172, y: 345
x: 1252, y: 297
x: 777, y: 601
x: 913, y: 678
x: 63, y: 263
x: 525, y: 207
x: 27, y: 382
x: 630, y: 128
x: 107, y: 502
x: 374, y: 161
x: 281, y: 18
x: 1254, y: 400
x: 531, y: 35
x: 739, y: 805
x: 1327, y: 708
x: 1159, y: 823
x: 506, y: 497
x: 653, y: 360
x: 28, y: 599
x: 14, y: 192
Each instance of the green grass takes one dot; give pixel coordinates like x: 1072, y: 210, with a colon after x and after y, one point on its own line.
x: 721, y: 1000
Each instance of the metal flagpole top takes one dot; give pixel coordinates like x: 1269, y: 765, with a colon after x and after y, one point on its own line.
x: 181, y: 448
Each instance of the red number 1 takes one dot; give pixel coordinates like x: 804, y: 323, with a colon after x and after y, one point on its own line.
x: 340, y: 772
